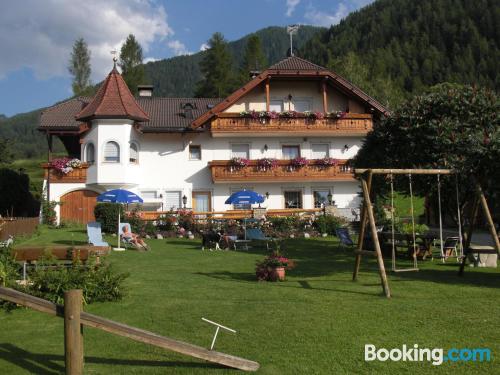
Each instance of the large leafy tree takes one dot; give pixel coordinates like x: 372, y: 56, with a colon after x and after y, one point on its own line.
x: 253, y: 58
x: 216, y: 67
x: 131, y: 63
x: 79, y: 67
x: 452, y: 126
x: 5, y: 151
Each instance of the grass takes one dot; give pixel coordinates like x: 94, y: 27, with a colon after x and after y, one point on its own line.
x: 35, y: 172
x: 402, y: 205
x: 316, y: 322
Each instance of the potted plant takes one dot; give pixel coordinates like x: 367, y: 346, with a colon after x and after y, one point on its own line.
x: 266, y: 164
x: 326, y: 162
x: 313, y: 115
x: 299, y: 162
x: 238, y: 163
x: 64, y: 166
x: 273, y: 267
x: 336, y: 114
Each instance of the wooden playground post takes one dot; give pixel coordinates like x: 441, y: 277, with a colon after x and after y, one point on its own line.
x: 73, y: 332
x: 362, y: 228
x: 489, y: 219
x: 373, y: 230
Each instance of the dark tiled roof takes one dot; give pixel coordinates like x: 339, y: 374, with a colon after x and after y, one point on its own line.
x: 113, y: 100
x: 170, y: 113
x: 295, y: 63
x: 62, y: 115
x: 165, y: 114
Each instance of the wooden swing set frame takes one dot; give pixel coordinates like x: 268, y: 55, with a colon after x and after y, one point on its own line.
x: 368, y: 217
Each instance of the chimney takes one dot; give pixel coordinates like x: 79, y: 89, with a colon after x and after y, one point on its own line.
x: 254, y: 73
x: 145, y: 90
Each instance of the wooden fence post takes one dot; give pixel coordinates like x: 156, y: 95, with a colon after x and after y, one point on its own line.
x: 73, y: 332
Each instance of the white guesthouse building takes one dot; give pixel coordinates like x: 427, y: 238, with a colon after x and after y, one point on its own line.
x: 165, y: 149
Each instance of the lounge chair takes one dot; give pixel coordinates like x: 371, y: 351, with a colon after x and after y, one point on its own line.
x: 344, y: 237
x: 450, y: 247
x: 94, y: 234
x: 255, y: 234
x: 127, y: 241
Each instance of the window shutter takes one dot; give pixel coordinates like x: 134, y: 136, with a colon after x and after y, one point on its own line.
x: 134, y: 154
x: 112, y: 152
x: 172, y: 200
x: 319, y: 151
x: 240, y: 151
x: 90, y: 153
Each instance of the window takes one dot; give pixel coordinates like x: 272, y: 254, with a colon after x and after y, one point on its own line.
x: 302, y: 105
x: 240, y: 150
x: 276, y: 105
x: 112, y: 152
x: 90, y: 153
x: 148, y: 194
x: 134, y: 153
x: 319, y: 150
x: 194, y: 152
x: 320, y: 197
x: 293, y: 199
x: 290, y: 152
x: 172, y: 200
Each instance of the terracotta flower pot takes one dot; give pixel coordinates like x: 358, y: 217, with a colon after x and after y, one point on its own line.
x: 279, y: 273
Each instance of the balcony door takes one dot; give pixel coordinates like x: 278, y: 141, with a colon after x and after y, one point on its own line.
x: 202, y: 201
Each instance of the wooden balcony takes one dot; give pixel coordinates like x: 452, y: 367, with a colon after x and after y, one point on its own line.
x: 223, y: 172
x: 232, y: 124
x: 77, y: 175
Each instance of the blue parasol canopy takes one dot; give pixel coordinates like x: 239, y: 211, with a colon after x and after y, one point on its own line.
x: 119, y: 196
x: 245, y: 197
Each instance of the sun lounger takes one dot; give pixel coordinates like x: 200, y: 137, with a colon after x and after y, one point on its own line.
x: 255, y: 234
x: 94, y: 234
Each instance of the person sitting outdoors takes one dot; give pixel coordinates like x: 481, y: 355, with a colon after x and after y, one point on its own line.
x: 134, y: 239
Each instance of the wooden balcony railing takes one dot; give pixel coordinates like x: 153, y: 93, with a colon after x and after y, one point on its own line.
x: 75, y: 176
x: 223, y: 171
x: 351, y: 124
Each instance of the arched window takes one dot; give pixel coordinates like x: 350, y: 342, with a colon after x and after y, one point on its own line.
x: 90, y: 153
x: 134, y: 153
x: 112, y: 152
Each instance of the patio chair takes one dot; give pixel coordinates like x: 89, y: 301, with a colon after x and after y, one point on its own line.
x: 94, y: 234
x: 450, y: 247
x: 255, y: 234
x: 8, y: 242
x: 344, y: 237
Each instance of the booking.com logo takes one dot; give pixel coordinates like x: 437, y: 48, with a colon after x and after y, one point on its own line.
x: 436, y: 355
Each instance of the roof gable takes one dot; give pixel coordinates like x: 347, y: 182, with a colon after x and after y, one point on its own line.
x: 293, y: 66
x: 113, y: 100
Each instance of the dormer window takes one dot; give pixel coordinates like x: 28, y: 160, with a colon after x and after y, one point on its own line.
x: 188, y: 110
x: 112, y: 152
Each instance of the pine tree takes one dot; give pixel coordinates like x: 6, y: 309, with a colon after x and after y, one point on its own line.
x: 216, y: 67
x: 131, y: 63
x: 253, y: 59
x: 79, y: 67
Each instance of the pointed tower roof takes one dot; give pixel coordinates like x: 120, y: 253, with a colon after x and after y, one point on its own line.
x: 113, y: 100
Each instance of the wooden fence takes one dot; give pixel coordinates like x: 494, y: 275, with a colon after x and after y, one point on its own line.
x: 75, y: 319
x: 17, y: 226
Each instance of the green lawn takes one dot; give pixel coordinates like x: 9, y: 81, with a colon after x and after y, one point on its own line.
x: 316, y: 322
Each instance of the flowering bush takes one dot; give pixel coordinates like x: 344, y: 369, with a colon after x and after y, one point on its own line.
x: 299, y: 162
x: 65, y: 165
x: 336, y: 114
x: 267, y: 163
x: 327, y: 162
x: 239, y: 162
x: 314, y: 115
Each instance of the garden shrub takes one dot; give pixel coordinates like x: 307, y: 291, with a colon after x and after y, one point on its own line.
x: 328, y: 223
x: 284, y: 224
x: 136, y: 223
x: 186, y: 220
x: 49, y: 216
x: 107, y: 215
x: 150, y: 228
x: 167, y: 222
x: 9, y: 269
x: 99, y: 282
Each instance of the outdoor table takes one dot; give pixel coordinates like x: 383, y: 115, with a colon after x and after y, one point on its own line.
x: 243, y: 243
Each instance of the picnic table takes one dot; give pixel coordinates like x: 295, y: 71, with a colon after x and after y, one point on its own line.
x: 424, y: 242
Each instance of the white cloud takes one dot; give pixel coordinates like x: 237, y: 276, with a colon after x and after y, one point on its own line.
x: 204, y: 47
x: 39, y: 35
x: 150, y: 59
x: 178, y: 47
x: 321, y: 18
x: 290, y: 7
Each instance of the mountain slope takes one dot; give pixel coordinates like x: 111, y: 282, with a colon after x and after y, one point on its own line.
x: 178, y: 76
x: 410, y: 45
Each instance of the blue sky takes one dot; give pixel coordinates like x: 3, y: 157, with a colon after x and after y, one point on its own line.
x: 36, y: 36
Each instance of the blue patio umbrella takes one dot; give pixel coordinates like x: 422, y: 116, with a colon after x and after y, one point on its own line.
x: 245, y: 197
x: 119, y: 196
